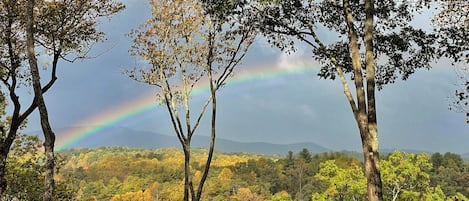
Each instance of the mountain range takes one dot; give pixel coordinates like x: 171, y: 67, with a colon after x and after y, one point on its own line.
x: 120, y: 136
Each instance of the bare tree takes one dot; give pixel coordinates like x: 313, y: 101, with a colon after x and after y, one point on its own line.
x: 187, y: 47
x: 39, y: 99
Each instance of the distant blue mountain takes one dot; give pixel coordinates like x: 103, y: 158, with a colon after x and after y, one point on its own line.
x: 119, y: 136
x: 150, y: 140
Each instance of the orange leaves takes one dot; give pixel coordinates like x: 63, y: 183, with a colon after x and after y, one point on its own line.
x: 245, y: 194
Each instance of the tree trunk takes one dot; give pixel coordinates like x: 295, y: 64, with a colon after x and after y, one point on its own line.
x: 5, y: 150
x: 46, y: 128
x: 372, y: 168
x: 3, y: 181
x: 365, y: 116
x: 372, y: 173
x: 212, y: 139
x: 187, y: 171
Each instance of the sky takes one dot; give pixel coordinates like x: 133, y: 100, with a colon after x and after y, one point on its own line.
x: 294, y: 107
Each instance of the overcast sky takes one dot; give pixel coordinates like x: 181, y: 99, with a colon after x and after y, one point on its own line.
x: 412, y: 114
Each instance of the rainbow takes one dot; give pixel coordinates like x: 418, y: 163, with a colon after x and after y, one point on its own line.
x: 105, y: 120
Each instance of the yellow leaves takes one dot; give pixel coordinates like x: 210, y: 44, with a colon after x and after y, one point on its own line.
x: 231, y: 160
x: 133, y: 196
x: 197, y: 176
x: 281, y: 196
x: 225, y: 174
x: 245, y: 194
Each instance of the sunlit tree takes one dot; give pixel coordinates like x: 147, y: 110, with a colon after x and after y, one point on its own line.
x: 343, y: 184
x: 405, y: 172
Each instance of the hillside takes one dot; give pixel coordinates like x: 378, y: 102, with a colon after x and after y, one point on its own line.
x: 123, y: 174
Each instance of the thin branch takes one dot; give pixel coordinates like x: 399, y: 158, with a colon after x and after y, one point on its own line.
x: 233, y: 62
x: 201, y: 114
x: 340, y: 72
x: 293, y: 31
x: 173, y: 121
x: 173, y: 108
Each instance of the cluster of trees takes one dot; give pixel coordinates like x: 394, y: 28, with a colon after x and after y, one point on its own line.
x: 376, y: 43
x: 186, y: 42
x: 121, y: 173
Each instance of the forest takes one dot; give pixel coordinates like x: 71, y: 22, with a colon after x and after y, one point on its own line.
x: 185, y: 45
x: 126, y: 174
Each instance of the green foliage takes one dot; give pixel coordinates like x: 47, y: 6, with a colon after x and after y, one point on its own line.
x: 281, y: 196
x: 343, y: 184
x: 406, y: 176
x: 450, y: 173
x: 405, y: 173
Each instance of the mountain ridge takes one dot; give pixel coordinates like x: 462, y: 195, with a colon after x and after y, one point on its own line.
x: 122, y: 136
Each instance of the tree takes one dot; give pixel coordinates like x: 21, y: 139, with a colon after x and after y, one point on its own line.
x: 363, y: 33
x: 245, y: 194
x: 24, y: 168
x: 25, y: 171
x: 39, y: 99
x: 281, y: 196
x: 12, y: 52
x: 184, y: 46
x: 60, y: 29
x: 297, y: 177
x: 305, y: 155
x: 448, y: 173
x: 59, y: 47
x: 343, y: 183
x: 405, y: 172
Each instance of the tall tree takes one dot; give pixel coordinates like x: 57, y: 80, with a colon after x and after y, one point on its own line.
x: 184, y: 45
x: 63, y: 30
x: 362, y: 33
x: 12, y: 74
x: 39, y: 99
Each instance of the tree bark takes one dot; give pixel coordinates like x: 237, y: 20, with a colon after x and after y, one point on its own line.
x: 5, y: 150
x: 46, y: 128
x: 372, y: 167
x: 213, y: 90
x: 187, y: 171
x: 3, y: 181
x: 366, y: 116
